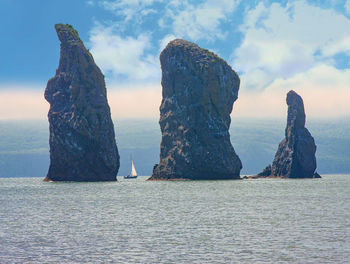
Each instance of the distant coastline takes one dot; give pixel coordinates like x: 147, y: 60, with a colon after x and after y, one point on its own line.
x: 26, y: 154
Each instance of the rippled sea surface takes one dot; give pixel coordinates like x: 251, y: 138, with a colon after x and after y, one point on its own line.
x: 135, y: 221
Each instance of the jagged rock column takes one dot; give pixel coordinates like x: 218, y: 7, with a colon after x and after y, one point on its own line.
x: 199, y: 90
x: 82, y: 139
x: 295, y: 157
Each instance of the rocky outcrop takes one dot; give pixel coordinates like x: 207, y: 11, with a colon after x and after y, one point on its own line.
x: 266, y: 172
x: 295, y: 157
x: 199, y: 90
x: 82, y: 140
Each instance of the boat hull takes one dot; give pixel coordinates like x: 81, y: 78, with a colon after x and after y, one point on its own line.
x: 130, y: 177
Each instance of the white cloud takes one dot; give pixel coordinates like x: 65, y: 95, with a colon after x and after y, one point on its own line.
x: 124, y: 56
x: 283, y: 48
x: 347, y: 6
x: 90, y: 3
x: 200, y: 21
x: 280, y: 42
x: 194, y: 20
x: 130, y: 9
x: 341, y: 45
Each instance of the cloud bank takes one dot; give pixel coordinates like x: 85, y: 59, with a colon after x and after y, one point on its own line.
x: 125, y: 58
x: 282, y: 41
x: 274, y: 46
x: 293, y: 46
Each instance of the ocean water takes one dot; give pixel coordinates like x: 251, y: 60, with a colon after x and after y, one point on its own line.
x: 135, y: 221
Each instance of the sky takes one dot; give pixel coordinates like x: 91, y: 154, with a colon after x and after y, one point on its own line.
x: 274, y: 46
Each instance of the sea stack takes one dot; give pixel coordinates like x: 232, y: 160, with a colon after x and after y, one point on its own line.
x: 295, y: 157
x: 199, y: 90
x: 82, y: 140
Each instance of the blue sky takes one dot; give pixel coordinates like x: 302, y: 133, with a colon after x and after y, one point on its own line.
x: 275, y: 46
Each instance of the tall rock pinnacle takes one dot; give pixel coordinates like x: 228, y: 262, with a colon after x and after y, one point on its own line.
x: 199, y: 90
x: 295, y: 157
x: 82, y: 140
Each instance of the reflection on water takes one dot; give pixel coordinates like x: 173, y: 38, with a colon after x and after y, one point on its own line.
x: 134, y: 221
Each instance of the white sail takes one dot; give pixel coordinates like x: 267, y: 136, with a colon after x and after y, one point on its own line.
x: 133, y: 170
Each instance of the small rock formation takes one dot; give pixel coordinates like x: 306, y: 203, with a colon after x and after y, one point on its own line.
x: 266, y: 172
x: 82, y: 140
x: 295, y: 157
x: 199, y: 90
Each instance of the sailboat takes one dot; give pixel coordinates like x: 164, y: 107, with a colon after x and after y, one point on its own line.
x: 133, y: 173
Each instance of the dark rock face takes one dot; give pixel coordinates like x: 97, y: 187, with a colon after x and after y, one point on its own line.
x: 199, y: 90
x: 266, y: 172
x: 82, y: 140
x: 295, y: 157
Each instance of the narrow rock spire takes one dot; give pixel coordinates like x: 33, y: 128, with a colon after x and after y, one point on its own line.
x: 295, y: 157
x: 82, y: 140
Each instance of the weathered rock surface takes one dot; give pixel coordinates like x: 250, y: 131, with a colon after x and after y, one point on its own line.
x: 199, y: 90
x: 82, y: 140
x: 266, y: 172
x: 295, y: 157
